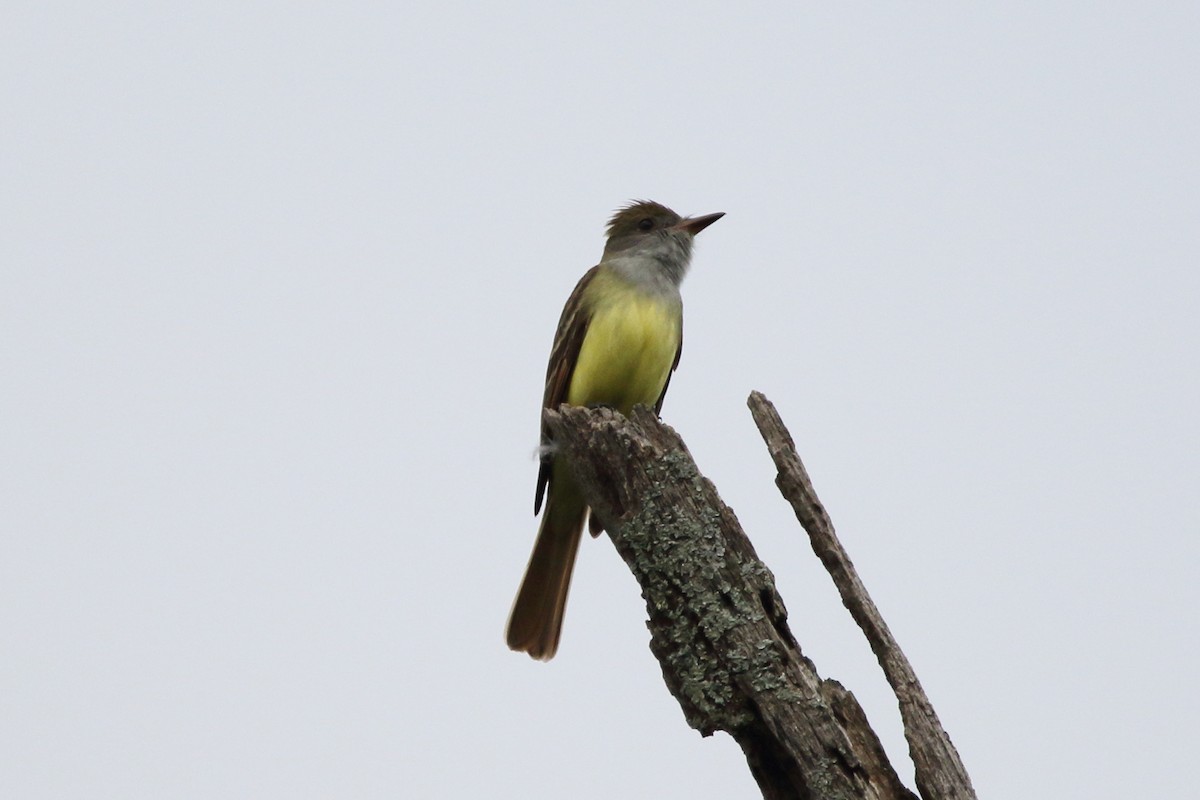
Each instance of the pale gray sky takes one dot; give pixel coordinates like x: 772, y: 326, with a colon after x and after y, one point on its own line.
x: 279, y: 283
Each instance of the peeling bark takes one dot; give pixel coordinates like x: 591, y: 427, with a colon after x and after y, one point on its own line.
x: 717, y: 624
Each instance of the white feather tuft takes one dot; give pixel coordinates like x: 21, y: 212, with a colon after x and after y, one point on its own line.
x: 543, y: 451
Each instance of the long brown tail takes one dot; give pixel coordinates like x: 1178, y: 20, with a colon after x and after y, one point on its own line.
x: 537, y: 614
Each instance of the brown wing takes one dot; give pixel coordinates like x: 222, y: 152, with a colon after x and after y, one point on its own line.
x: 572, y: 327
x: 678, y: 353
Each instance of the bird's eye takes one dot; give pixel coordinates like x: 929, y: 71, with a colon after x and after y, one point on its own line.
x: 645, y: 224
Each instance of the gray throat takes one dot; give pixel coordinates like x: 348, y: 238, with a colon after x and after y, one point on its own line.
x: 658, y: 264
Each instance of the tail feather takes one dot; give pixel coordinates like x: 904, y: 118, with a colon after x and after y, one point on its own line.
x: 535, y: 624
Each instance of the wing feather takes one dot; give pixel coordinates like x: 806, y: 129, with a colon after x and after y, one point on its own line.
x: 568, y: 339
x: 667, y: 382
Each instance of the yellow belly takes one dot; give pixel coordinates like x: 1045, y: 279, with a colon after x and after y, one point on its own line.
x: 627, y: 353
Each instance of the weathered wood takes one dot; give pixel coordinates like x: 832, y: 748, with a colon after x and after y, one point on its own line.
x: 940, y: 774
x: 717, y: 625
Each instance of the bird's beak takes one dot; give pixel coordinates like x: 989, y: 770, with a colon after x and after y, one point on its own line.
x: 694, y: 225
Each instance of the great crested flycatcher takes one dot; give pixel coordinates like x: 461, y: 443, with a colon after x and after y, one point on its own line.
x: 618, y: 341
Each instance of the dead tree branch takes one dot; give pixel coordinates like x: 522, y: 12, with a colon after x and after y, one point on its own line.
x: 940, y: 773
x: 718, y: 627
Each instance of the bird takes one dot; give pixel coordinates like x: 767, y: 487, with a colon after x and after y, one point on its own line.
x: 618, y: 341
